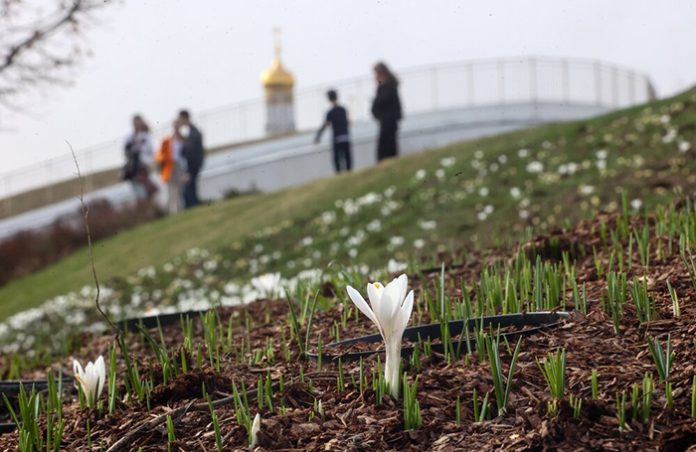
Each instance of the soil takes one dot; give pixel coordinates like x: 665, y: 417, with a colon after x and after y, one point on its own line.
x: 355, y: 421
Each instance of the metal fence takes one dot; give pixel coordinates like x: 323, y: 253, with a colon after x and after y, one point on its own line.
x: 423, y: 89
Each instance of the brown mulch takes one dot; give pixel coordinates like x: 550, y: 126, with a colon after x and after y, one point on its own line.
x: 353, y: 421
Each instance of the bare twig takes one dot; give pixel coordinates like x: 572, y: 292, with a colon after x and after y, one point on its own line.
x: 85, y: 217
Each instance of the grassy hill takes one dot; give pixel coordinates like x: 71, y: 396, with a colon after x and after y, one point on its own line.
x: 468, y: 195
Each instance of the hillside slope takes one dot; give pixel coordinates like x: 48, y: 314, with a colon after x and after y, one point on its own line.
x: 474, y: 193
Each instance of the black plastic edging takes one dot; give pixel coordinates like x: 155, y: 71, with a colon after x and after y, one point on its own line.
x: 536, y: 320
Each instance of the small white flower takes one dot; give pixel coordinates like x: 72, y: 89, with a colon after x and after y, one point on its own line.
x: 91, y: 379
x: 427, y: 225
x: 394, y: 266
x: 374, y: 225
x: 420, y: 174
x: 447, y: 161
x: 684, y: 146
x: 267, y: 285
x: 636, y: 204
x: 523, y: 153
x: 396, y: 241
x: 535, y: 167
x: 440, y: 173
x: 669, y: 136
x: 515, y: 192
x: 664, y: 119
x: 255, y: 427
x: 483, y: 192
x: 586, y: 189
x: 601, y: 154
x: 390, y: 310
x: 307, y: 241
x: 418, y: 243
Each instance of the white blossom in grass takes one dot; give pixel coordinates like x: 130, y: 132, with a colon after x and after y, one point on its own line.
x: 418, y: 243
x: 636, y: 204
x: 523, y: 153
x: 394, y: 266
x: 478, y: 154
x: 353, y: 253
x: 390, y: 309
x: 586, y: 189
x: 535, y: 167
x: 669, y: 136
x: 502, y: 159
x: 515, y: 192
x: 601, y: 154
x: 427, y: 225
x: 374, y: 226
x: 268, y: 284
x: 420, y: 174
x: 396, y: 241
x: 448, y: 161
x: 255, y: 427
x: 328, y: 217
x: 664, y: 119
x: 307, y: 241
x: 684, y: 146
x: 440, y: 173
x: 91, y: 379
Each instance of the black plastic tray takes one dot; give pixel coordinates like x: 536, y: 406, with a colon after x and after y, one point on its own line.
x: 152, y: 321
x: 536, y: 320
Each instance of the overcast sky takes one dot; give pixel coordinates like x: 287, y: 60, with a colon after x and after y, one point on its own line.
x: 154, y: 56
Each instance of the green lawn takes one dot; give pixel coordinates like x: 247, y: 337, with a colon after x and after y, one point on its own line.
x: 474, y: 193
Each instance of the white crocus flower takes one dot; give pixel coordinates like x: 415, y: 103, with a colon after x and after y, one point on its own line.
x: 267, y: 284
x: 255, y: 427
x: 390, y: 309
x: 90, y: 379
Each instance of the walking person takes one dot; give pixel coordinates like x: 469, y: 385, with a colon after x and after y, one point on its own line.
x: 337, y: 118
x: 139, y: 155
x: 172, y: 165
x: 386, y: 108
x: 194, y: 154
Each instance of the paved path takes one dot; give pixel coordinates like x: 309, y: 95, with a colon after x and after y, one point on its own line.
x: 284, y: 162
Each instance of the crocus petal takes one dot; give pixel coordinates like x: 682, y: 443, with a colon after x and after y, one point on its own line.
x: 374, y: 293
x: 403, y: 286
x: 362, y: 305
x: 387, y: 314
x: 77, y: 369
x: 100, y: 368
x: 255, y: 427
x: 405, y: 313
x: 396, y: 290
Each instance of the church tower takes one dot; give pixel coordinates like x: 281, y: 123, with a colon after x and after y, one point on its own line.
x: 278, y: 85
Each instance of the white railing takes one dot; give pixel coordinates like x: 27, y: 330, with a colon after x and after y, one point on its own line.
x: 423, y: 89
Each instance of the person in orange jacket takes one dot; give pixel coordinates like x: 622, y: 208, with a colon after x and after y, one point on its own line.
x: 172, y: 165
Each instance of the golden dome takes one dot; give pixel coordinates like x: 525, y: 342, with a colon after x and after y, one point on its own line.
x: 277, y: 75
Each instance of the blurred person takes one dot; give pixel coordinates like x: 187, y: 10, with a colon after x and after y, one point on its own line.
x: 337, y: 118
x: 386, y: 108
x: 173, y: 169
x: 139, y: 155
x: 194, y: 154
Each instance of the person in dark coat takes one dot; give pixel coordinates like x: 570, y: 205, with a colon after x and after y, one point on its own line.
x: 337, y: 118
x: 194, y: 154
x: 386, y: 108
